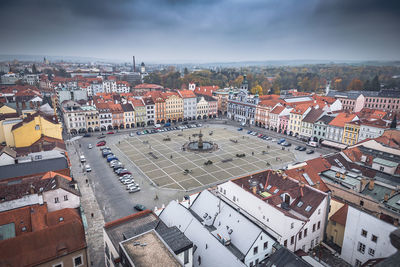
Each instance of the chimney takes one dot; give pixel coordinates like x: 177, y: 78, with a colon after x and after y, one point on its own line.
x: 371, y: 184
x: 134, y: 64
x: 386, y: 197
x: 363, y: 183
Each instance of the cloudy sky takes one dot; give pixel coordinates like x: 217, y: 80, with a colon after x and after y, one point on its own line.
x: 203, y: 30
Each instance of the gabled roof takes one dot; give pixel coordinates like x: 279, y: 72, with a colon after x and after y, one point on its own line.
x: 298, y: 191
x: 277, y: 110
x: 127, y: 107
x: 326, y: 119
x: 9, y: 151
x: 206, y: 90
x: 186, y: 93
x: 51, y: 238
x: 341, y: 119
x: 313, y: 115
x: 300, y: 109
x: 340, y: 215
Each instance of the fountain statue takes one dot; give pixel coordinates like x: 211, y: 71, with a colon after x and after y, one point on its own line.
x: 200, y: 145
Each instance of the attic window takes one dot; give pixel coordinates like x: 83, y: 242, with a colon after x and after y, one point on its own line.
x: 23, y: 229
x: 269, y: 187
x: 300, y: 204
x: 308, y: 208
x: 61, y: 219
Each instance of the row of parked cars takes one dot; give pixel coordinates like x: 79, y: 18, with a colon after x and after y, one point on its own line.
x: 124, y: 176
x: 281, y: 141
x: 167, y: 129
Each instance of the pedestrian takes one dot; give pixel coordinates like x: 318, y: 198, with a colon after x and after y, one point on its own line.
x: 252, y: 153
x: 92, y: 214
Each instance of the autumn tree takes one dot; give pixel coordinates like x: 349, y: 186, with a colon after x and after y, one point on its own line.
x: 355, y: 85
x: 257, y: 90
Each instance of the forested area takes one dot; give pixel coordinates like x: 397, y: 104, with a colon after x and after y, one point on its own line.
x: 264, y: 80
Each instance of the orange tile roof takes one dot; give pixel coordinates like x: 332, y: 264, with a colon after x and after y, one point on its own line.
x: 341, y: 119
x: 137, y: 102
x: 277, y: 110
x: 126, y: 218
x: 206, y: 90
x: 186, y: 93
x: 340, y: 216
x: 148, y: 86
x: 51, y: 174
x: 297, y: 174
x: 300, y: 109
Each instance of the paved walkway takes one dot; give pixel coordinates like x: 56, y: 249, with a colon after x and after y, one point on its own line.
x: 95, y: 220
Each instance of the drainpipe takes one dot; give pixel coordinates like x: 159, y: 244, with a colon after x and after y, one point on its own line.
x: 301, y: 229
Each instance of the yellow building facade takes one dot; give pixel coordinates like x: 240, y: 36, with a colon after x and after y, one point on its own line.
x: 350, y: 133
x: 29, y: 131
x: 7, y: 110
x: 336, y: 223
x: 173, y: 107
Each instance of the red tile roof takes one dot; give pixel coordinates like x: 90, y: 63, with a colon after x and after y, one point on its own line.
x: 148, y: 86
x: 206, y: 90
x: 126, y: 218
x: 186, y: 93
x: 341, y: 119
x: 340, y: 216
x: 300, y: 109
x: 277, y: 110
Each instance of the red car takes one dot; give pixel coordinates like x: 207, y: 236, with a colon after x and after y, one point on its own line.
x: 110, y: 132
x: 101, y: 143
x: 123, y: 173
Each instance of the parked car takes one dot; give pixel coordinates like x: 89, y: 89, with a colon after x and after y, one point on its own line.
x: 82, y: 159
x: 167, y: 124
x: 117, y: 167
x: 303, y: 148
x: 111, y: 132
x: 105, y: 153
x: 119, y: 170
x: 131, y: 134
x: 249, y: 132
x: 282, y: 140
x: 101, y: 143
x: 127, y: 176
x: 138, y: 132
x: 121, y: 173
x: 114, y: 162
x: 199, y: 125
x: 90, y: 146
x: 312, y: 143
x: 112, y: 158
x: 137, y: 189
x: 87, y: 135
x: 297, y: 147
x: 87, y: 168
x: 100, y: 137
x: 139, y: 207
x: 310, y: 152
x: 286, y: 144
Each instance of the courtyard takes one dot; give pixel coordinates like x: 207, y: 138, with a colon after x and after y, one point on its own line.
x: 161, y: 159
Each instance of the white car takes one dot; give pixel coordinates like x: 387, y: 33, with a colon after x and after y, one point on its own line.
x: 88, y: 168
x: 90, y: 146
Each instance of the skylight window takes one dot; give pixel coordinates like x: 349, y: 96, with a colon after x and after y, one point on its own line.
x: 308, y: 208
x: 269, y: 187
x: 300, y: 204
x: 276, y: 191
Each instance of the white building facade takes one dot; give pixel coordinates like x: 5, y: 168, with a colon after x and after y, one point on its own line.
x: 366, y: 237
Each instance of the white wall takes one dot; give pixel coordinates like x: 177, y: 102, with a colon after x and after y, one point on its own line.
x: 49, y: 197
x: 279, y: 224
x: 27, y: 200
x: 111, y: 248
x: 5, y: 159
x: 358, y: 220
x: 181, y: 258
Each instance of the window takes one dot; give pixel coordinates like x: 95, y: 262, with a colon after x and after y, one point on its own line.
x: 319, y: 225
x: 58, y: 265
x: 199, y: 260
x: 65, y: 197
x: 371, y: 252
x: 291, y: 225
x: 381, y: 168
x: 361, y: 247
x: 300, y: 234
x: 78, y: 261
x: 186, y: 257
x: 361, y: 203
x: 265, y: 245
x: 313, y: 228
x: 374, y: 238
x: 292, y: 240
x: 255, y: 250
x: 308, y: 208
x: 234, y: 198
x: 319, y: 211
x: 251, y: 264
x: 285, y: 243
x: 358, y: 263
x: 364, y: 233
x: 56, y: 200
x: 305, y: 232
x: 300, y: 204
x: 37, y: 127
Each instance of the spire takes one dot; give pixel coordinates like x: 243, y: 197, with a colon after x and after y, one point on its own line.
x: 393, y: 125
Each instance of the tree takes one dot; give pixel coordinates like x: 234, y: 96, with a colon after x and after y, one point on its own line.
x: 375, y: 84
x: 266, y: 86
x: 355, y: 85
x: 238, y: 81
x: 393, y: 125
x: 257, y: 90
x: 186, y: 71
